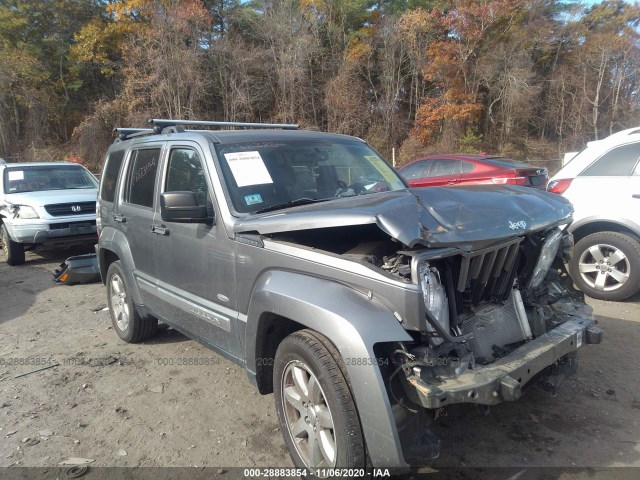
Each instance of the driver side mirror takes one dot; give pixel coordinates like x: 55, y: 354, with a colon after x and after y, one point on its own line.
x: 183, y: 207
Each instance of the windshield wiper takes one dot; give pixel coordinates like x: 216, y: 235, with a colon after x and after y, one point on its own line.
x: 292, y: 203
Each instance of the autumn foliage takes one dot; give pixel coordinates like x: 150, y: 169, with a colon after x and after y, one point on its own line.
x: 528, y: 78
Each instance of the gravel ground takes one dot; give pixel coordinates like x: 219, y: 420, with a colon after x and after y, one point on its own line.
x: 172, y: 402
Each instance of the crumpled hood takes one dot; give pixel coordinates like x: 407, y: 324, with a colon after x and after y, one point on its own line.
x: 435, y: 216
x: 47, y: 197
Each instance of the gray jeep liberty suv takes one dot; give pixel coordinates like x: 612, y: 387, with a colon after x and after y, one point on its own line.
x: 363, y: 305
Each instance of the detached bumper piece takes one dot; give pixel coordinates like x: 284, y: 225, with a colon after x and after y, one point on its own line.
x: 503, y: 379
x: 79, y: 269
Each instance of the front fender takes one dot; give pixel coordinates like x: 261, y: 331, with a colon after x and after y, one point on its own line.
x: 354, y: 323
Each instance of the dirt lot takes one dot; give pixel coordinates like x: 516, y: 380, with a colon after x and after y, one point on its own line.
x: 172, y: 402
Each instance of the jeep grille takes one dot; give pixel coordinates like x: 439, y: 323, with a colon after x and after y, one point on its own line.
x: 487, y: 274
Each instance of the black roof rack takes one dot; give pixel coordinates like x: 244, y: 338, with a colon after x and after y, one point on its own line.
x: 124, y: 133
x: 160, y: 124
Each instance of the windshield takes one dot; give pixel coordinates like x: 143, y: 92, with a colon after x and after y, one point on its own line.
x: 262, y: 176
x: 42, y: 178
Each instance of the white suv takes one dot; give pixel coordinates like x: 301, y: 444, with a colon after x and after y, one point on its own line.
x: 603, y: 183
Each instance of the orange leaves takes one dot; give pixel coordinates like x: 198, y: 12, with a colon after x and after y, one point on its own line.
x: 443, y: 65
x: 189, y: 13
x: 429, y: 118
x: 418, y: 22
x: 358, y: 52
x: 460, y: 34
x: 435, y: 112
x: 471, y: 18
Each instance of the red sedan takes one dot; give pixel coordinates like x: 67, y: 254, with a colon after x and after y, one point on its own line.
x: 466, y: 169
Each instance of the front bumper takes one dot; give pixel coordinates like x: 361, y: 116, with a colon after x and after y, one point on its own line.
x: 503, y: 379
x: 61, y: 230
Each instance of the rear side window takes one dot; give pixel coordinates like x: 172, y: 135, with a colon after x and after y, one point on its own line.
x: 110, y: 175
x: 618, y: 162
x: 142, y: 177
x: 467, y: 167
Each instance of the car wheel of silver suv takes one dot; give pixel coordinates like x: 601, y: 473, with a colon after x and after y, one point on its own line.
x: 13, y: 251
x: 606, y: 265
x: 127, y: 323
x: 317, y: 414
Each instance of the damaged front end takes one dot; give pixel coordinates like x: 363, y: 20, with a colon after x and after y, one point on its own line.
x: 495, y: 320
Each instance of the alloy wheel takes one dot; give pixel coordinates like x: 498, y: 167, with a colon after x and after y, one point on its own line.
x: 119, y: 303
x: 604, y: 267
x: 308, y: 416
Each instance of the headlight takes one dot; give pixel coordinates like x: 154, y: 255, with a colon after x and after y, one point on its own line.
x: 24, y: 211
x: 547, y: 254
x: 435, y: 298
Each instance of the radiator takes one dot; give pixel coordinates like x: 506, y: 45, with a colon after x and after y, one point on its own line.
x: 492, y: 324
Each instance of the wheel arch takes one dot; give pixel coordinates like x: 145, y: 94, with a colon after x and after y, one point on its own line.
x: 106, y: 258
x: 113, y: 246
x: 589, y: 225
x: 272, y: 328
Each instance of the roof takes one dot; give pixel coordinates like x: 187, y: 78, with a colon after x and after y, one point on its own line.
x: 461, y: 156
x: 165, y: 129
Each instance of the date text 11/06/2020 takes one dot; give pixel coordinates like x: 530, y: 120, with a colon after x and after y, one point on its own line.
x: 319, y: 472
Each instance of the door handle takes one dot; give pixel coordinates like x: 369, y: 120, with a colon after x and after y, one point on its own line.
x: 119, y: 218
x: 636, y: 195
x: 159, y: 230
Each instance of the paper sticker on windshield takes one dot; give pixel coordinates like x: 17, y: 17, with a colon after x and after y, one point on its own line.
x: 382, y: 168
x: 15, y: 175
x: 253, y: 199
x: 248, y: 168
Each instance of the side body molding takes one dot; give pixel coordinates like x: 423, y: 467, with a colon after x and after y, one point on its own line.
x: 354, y: 323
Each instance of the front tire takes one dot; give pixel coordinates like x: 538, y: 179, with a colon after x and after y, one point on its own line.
x: 606, y: 265
x: 315, y: 407
x: 127, y: 323
x: 13, y: 251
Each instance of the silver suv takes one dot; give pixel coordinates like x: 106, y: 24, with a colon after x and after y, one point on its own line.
x: 51, y: 204
x: 363, y: 305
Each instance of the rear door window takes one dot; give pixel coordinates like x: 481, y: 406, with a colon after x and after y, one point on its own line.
x: 441, y: 168
x: 618, y: 162
x: 141, y: 179
x: 110, y: 175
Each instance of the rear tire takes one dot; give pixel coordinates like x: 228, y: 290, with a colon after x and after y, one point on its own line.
x: 127, y: 323
x: 316, y: 410
x: 14, y: 251
x: 617, y: 255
